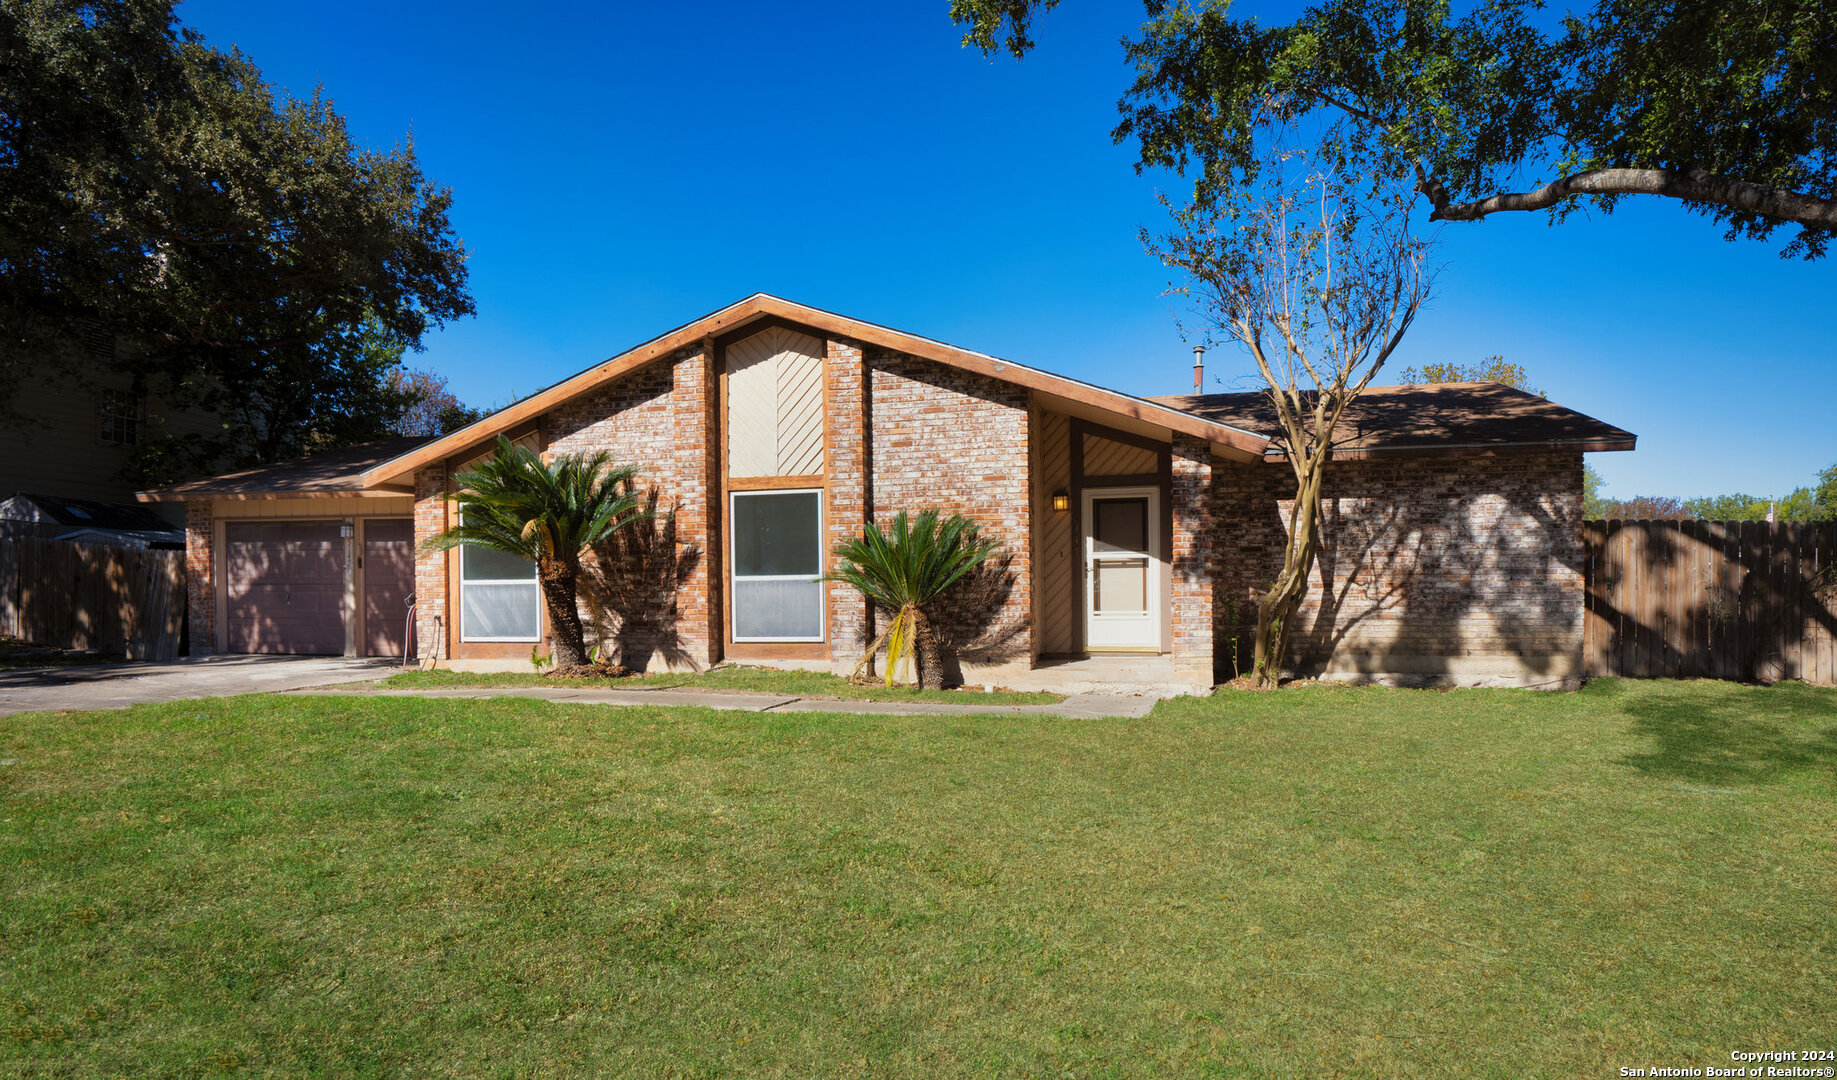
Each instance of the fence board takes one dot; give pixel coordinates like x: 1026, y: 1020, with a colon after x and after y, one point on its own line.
x: 1729, y: 600
x: 117, y: 600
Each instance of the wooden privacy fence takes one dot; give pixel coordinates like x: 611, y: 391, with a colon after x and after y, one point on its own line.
x: 1711, y: 599
x: 92, y: 596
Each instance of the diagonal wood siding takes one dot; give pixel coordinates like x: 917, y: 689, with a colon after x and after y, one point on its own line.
x: 775, y: 404
x: 1711, y: 599
x: 1054, y: 590
x: 1104, y: 457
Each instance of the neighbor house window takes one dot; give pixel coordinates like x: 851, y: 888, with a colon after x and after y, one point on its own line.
x: 778, y: 565
x: 120, y: 415
x: 498, y: 596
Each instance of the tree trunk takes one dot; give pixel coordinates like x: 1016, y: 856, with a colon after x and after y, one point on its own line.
x: 930, y: 656
x: 560, y: 582
x: 1276, y: 610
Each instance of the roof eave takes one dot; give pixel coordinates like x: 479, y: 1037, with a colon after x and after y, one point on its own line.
x: 1586, y: 446
x: 761, y: 305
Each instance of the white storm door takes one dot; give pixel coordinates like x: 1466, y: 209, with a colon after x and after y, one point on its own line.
x: 1122, y: 584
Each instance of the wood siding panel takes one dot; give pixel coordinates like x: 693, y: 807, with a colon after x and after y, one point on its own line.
x: 800, y: 409
x: 1106, y: 457
x: 775, y: 404
x: 1054, y: 597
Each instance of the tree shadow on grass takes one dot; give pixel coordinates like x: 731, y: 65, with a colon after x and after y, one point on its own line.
x: 1732, y: 735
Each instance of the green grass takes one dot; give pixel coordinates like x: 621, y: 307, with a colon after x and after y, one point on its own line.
x: 818, y: 684
x: 1314, y: 882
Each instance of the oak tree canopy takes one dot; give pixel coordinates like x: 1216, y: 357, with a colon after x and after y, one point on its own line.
x: 263, y: 265
x: 1729, y: 107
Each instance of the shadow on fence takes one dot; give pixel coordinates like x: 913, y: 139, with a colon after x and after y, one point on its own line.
x: 115, y: 600
x: 1712, y: 599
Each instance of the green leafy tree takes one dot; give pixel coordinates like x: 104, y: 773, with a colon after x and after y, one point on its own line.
x: 1492, y: 369
x: 549, y: 513
x: 905, y: 570
x: 1594, y: 507
x: 430, y: 407
x: 259, y: 264
x: 1731, y: 108
x: 1825, y: 494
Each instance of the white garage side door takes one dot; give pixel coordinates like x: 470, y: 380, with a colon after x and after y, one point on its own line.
x: 285, y: 585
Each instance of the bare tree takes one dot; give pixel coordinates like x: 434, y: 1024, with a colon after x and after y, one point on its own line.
x: 1318, y: 280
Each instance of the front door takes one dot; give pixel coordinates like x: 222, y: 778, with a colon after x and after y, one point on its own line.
x: 1122, y: 587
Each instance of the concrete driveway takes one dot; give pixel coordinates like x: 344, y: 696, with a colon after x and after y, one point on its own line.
x: 114, y: 686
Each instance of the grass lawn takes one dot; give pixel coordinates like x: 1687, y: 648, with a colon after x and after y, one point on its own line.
x: 731, y: 677
x: 1313, y: 882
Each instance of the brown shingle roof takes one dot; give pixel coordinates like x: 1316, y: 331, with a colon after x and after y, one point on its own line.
x: 1471, y: 417
x: 330, y: 473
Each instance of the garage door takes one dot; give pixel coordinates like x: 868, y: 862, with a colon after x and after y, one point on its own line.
x: 285, y: 581
x: 389, y: 578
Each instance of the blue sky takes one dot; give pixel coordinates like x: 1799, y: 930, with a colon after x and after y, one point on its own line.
x: 622, y: 168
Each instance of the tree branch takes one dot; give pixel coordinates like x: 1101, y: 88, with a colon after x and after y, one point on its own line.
x: 1690, y: 185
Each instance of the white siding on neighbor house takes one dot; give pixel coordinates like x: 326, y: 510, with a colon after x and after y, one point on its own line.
x: 775, y: 405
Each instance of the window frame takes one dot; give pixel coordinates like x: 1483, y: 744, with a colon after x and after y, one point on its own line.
x: 734, y: 576
x: 118, y: 409
x: 534, y: 579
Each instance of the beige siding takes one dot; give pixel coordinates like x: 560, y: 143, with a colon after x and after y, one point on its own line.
x: 1054, y: 599
x: 1102, y: 457
x: 775, y: 405
x: 390, y: 506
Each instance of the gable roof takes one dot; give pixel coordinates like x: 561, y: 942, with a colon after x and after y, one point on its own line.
x: 765, y: 306
x: 334, y: 472
x: 1453, y: 417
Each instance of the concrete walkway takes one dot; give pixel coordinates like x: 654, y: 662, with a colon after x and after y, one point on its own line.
x: 1076, y: 706
x: 115, y: 686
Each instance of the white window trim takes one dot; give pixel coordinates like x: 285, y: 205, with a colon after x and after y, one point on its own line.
x: 465, y: 582
x: 822, y: 610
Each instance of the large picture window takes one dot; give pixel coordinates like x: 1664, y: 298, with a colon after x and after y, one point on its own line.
x: 777, y: 565
x: 498, y: 597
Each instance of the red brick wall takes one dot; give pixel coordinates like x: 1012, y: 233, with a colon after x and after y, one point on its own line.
x: 657, y: 418
x: 845, y: 386
x: 1191, y: 591
x: 432, y: 620
x: 958, y: 441
x: 1460, y: 570
x: 201, y: 577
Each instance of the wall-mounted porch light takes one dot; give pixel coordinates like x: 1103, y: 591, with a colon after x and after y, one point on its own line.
x: 346, y: 530
x: 1061, y: 500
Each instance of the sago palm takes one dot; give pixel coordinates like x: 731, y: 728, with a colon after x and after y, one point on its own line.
x: 549, y: 513
x: 906, y: 568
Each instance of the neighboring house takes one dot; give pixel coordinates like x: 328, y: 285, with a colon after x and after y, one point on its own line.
x: 1132, y: 526
x: 70, y: 435
x: 88, y: 521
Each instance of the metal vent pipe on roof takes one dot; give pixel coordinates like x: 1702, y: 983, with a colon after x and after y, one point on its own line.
x: 1199, y: 369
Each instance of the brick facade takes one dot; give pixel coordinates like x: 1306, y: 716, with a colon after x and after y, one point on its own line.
x: 1433, y: 570
x: 201, y: 577
x: 1191, y: 623
x: 432, y: 617
x: 845, y: 390
x: 1437, y: 569
x: 946, y: 438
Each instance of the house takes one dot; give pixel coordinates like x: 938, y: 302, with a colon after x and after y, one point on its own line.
x: 1134, y: 527
x: 70, y: 430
